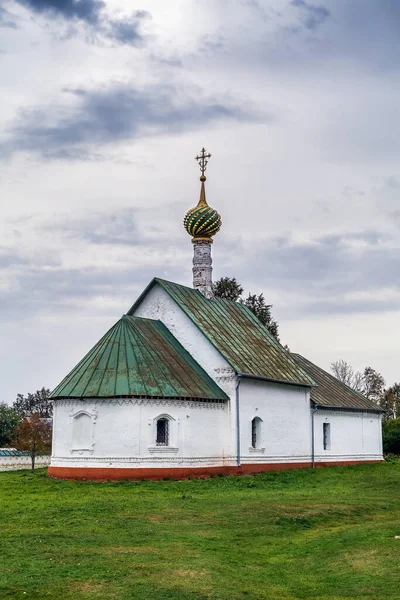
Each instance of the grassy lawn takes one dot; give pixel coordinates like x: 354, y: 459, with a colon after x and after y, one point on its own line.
x: 303, y: 534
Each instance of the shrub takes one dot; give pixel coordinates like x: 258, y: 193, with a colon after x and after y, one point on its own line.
x: 391, y: 436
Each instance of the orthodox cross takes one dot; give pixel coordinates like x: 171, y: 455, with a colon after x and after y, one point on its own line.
x: 202, y: 159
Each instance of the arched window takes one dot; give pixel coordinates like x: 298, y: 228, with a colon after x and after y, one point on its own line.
x: 82, y: 432
x: 162, y: 436
x: 256, y: 432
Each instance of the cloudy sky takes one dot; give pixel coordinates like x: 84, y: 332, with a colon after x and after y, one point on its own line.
x: 104, y: 105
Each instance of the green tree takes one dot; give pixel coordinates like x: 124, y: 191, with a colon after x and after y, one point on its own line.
x: 230, y: 289
x: 31, y: 404
x: 391, y: 436
x: 373, y: 384
x: 33, y: 436
x: 390, y: 402
x: 258, y: 306
x: 9, y: 421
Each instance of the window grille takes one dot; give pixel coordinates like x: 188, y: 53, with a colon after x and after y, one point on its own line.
x: 162, y: 432
x: 327, y: 435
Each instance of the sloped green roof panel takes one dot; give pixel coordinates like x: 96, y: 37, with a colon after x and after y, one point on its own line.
x: 236, y: 333
x: 331, y: 392
x: 138, y: 358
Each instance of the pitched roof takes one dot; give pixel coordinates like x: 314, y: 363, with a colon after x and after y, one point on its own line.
x: 140, y: 358
x: 236, y: 333
x: 332, y: 392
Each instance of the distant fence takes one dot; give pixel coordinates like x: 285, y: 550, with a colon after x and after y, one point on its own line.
x: 12, y: 460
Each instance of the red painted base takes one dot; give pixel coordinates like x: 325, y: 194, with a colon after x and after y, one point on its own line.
x: 111, y: 474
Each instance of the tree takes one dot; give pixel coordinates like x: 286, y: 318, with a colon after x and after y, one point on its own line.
x: 9, y: 421
x: 230, y: 289
x: 373, y: 384
x: 390, y: 402
x: 33, y: 436
x: 370, y: 383
x: 391, y: 436
x: 31, y: 404
x: 344, y: 371
x: 262, y: 311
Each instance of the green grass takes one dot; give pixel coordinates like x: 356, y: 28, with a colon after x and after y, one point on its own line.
x: 302, y: 534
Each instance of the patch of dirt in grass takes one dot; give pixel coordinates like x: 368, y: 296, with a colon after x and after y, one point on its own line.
x: 92, y: 589
x: 129, y: 550
x: 155, y: 518
x: 369, y: 561
x: 190, y: 573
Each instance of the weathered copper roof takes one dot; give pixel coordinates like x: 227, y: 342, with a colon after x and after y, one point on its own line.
x: 236, y: 333
x: 138, y: 358
x: 332, y: 392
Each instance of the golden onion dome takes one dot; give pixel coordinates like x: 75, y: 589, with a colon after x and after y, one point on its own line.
x: 202, y: 222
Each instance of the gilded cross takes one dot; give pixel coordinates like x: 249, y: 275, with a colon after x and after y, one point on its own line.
x: 202, y: 159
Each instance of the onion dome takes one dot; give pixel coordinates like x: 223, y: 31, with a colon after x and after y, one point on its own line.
x: 202, y: 222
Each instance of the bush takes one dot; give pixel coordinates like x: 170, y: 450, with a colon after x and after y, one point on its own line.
x: 392, y: 458
x: 391, y: 436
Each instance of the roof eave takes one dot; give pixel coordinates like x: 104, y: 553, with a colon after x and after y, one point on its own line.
x: 141, y: 397
x: 272, y: 380
x: 352, y: 408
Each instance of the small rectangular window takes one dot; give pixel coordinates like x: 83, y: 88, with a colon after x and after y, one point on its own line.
x: 327, y: 436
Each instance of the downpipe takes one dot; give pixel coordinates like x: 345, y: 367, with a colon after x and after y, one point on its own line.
x: 237, y: 423
x: 313, y: 436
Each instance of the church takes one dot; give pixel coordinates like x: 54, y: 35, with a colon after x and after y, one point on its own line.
x: 189, y: 385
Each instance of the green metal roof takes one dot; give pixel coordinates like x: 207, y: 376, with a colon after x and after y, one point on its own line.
x: 331, y: 392
x: 236, y: 333
x: 138, y: 358
x: 12, y: 452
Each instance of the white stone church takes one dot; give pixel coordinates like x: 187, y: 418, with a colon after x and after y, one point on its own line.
x: 188, y: 385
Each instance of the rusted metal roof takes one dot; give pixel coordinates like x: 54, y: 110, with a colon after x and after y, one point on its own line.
x: 138, y: 358
x: 236, y: 333
x: 331, y: 392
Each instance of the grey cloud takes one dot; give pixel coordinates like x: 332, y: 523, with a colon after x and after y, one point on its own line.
x: 330, y: 267
x: 113, y: 114
x: 6, y: 20
x: 58, y: 289
x: 313, y: 14
x: 123, y: 30
x: 333, y: 35
x: 10, y: 258
x: 85, y: 10
x: 116, y: 228
x: 126, y: 29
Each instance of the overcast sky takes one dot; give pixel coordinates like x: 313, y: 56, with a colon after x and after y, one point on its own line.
x: 104, y: 105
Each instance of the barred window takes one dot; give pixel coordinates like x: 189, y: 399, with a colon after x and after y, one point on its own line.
x: 162, y: 438
x: 327, y: 436
x: 256, y: 432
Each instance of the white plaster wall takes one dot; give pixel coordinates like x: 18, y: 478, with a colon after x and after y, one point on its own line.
x: 354, y: 435
x: 123, y: 433
x: 285, y: 414
x: 15, y: 463
x: 159, y: 305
